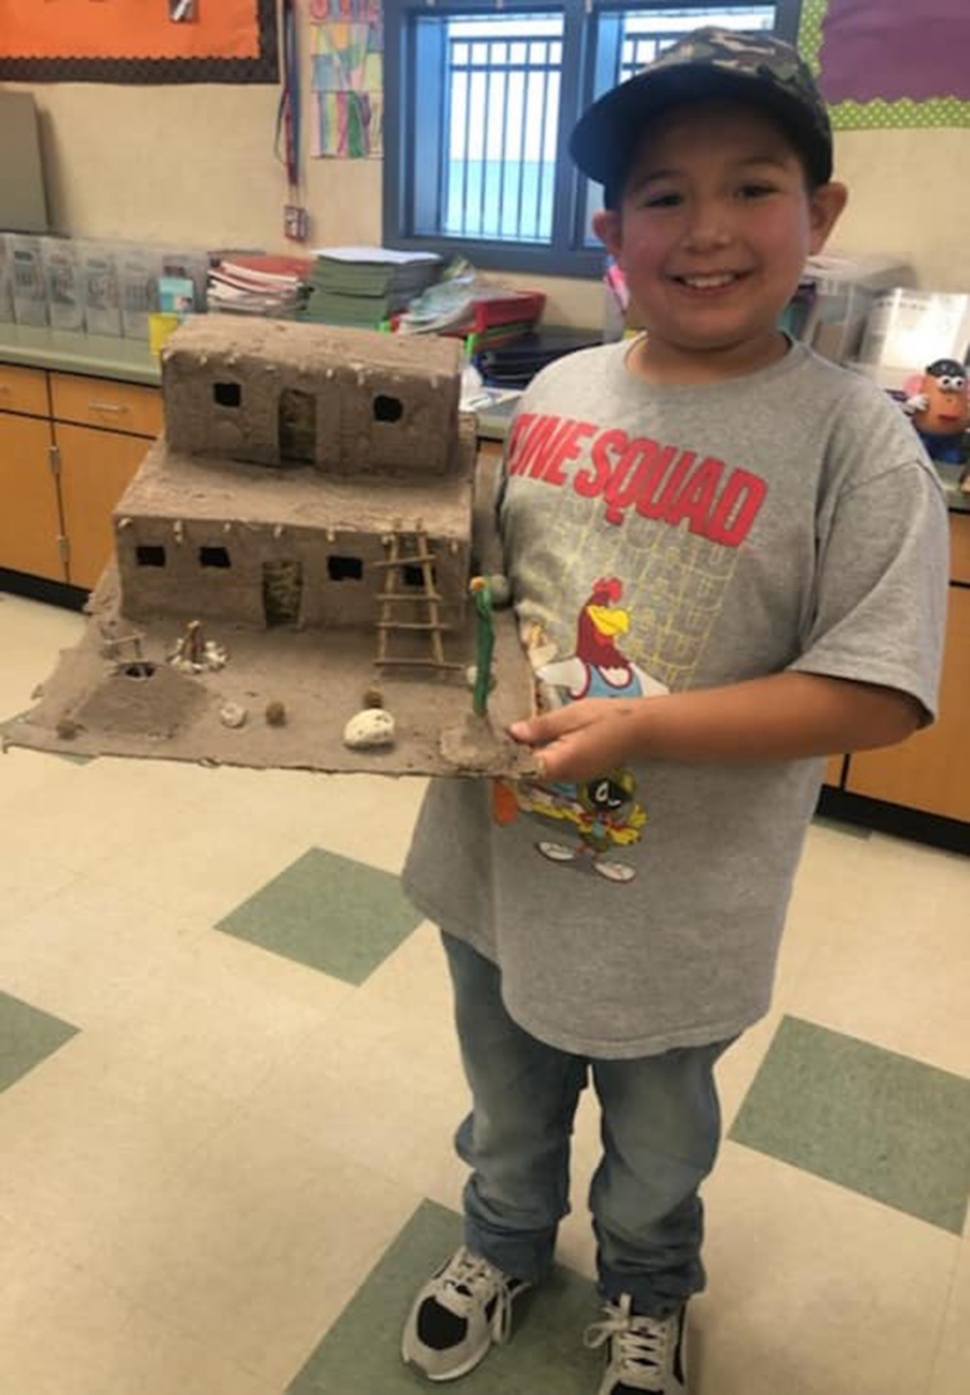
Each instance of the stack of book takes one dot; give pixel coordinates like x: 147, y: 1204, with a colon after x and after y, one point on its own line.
x: 364, y: 286
x: 259, y: 284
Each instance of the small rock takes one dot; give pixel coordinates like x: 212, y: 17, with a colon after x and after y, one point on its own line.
x: 67, y: 728
x: 371, y: 728
x: 232, y: 715
x: 275, y: 714
x: 373, y: 697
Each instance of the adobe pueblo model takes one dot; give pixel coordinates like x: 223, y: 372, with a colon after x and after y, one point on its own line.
x: 292, y: 570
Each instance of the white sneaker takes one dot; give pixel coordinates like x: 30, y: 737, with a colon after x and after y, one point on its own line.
x: 645, y: 1353
x: 557, y: 852
x: 458, y: 1315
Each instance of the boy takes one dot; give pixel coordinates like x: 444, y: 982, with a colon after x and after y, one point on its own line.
x: 732, y: 557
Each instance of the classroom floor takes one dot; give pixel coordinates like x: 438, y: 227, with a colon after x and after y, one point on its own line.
x: 228, y: 1082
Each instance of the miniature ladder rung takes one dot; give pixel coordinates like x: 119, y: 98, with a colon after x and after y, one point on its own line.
x: 413, y: 595
x: 420, y: 663
x: 425, y: 625
x: 394, y: 567
x: 409, y: 561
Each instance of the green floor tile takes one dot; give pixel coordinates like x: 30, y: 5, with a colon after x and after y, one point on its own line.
x: 329, y: 912
x: 361, y: 1354
x: 878, y: 1123
x: 27, y: 1037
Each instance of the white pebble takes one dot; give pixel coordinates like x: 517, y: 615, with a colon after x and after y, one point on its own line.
x: 370, y: 728
x: 232, y: 715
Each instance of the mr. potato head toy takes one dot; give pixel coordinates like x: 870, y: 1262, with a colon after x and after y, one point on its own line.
x: 939, y: 409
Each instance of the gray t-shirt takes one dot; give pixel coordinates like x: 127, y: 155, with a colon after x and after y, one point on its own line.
x: 673, y: 538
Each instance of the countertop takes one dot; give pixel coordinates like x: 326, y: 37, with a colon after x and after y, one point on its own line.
x: 124, y: 360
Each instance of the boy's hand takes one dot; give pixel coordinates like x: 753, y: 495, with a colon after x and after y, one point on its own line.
x: 585, y: 738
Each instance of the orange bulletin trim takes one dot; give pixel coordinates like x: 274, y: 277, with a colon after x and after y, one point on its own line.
x: 127, y: 29
x: 136, y: 41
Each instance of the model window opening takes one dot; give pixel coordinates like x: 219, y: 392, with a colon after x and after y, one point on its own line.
x: 388, y: 408
x: 214, y: 557
x: 227, y: 394
x: 150, y: 556
x: 345, y: 569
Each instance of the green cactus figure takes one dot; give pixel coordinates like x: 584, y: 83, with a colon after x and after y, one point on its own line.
x: 481, y: 592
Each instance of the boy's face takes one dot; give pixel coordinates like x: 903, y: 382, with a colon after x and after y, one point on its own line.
x: 714, y: 227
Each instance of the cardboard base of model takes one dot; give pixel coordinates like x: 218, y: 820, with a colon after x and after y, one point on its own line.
x: 114, y: 695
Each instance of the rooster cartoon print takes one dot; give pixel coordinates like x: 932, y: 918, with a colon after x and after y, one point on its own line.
x: 603, y: 814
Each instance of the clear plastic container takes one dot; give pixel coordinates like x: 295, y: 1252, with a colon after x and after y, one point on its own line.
x: 65, y: 304
x: 99, y: 288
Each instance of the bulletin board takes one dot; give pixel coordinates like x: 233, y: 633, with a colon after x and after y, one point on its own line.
x: 890, y: 63
x: 138, y: 41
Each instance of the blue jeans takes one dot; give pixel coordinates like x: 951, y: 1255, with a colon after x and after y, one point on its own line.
x: 661, y: 1125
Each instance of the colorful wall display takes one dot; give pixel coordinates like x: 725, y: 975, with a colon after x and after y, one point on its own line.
x: 348, y: 78
x: 138, y: 41
x: 890, y: 63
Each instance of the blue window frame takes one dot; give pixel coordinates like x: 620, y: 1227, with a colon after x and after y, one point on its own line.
x: 480, y: 99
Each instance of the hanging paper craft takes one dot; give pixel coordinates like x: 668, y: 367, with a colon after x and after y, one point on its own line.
x: 348, y: 78
x: 890, y: 63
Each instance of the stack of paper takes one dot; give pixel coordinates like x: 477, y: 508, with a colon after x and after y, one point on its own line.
x: 364, y: 286
x: 274, y: 286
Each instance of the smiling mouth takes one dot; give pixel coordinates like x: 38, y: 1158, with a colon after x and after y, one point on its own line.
x: 710, y: 281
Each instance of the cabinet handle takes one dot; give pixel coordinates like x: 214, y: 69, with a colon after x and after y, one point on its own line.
x: 107, y: 407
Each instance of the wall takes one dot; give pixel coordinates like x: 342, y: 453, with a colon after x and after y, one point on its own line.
x: 195, y: 164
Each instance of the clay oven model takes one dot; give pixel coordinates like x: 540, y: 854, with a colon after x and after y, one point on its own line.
x: 308, y: 477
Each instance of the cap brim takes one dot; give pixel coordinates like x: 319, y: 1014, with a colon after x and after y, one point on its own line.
x: 605, y: 137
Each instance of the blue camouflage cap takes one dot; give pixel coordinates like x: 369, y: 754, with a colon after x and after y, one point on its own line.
x: 708, y: 64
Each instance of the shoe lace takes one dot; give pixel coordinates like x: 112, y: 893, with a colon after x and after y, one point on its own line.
x: 639, y: 1350
x: 468, y: 1280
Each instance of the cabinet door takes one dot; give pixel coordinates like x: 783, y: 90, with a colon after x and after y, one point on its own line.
x: 95, y: 469
x: 30, y: 524
x: 960, y: 547
x: 930, y: 771
x: 833, y: 771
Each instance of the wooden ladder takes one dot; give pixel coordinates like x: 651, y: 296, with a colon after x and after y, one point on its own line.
x: 410, y: 549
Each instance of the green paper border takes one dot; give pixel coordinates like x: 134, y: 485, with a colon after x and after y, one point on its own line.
x: 878, y: 114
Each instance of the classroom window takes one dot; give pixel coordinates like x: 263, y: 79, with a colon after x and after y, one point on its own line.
x: 479, y: 103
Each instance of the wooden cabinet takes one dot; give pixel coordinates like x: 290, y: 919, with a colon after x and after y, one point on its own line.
x: 31, y: 538
x: 69, y: 444
x: 95, y: 469
x: 960, y: 548
x: 930, y: 771
x: 110, y: 406
x: 834, y: 770
x: 23, y: 390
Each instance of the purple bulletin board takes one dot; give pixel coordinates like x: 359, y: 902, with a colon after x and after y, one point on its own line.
x: 885, y: 63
